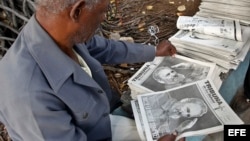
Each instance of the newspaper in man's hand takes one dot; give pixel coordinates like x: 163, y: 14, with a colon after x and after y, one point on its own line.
x: 190, y: 110
x: 223, y: 28
x: 170, y: 72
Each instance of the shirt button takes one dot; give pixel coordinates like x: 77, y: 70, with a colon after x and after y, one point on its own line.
x: 85, y: 115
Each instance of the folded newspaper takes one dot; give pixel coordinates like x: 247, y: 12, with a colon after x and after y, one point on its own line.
x: 226, y: 53
x: 226, y: 9
x: 169, y: 72
x: 224, y: 28
x: 224, y: 61
x: 193, y: 109
x: 208, y: 42
x: 244, y: 3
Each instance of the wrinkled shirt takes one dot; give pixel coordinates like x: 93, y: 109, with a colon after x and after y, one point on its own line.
x: 45, y: 95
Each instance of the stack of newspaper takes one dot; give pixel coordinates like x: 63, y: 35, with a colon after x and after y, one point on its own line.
x: 224, y: 42
x: 178, y: 95
x: 170, y: 72
x: 226, y: 9
x: 190, y: 110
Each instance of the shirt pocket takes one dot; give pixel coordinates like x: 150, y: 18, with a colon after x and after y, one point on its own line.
x: 81, y: 105
x: 85, y: 109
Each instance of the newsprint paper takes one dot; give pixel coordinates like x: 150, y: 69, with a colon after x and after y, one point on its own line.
x: 208, y: 42
x: 190, y: 110
x: 168, y: 72
x: 224, y: 28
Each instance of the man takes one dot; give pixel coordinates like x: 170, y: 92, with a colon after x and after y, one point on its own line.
x: 171, y: 78
x: 53, y: 86
x: 174, y: 116
x: 168, y: 76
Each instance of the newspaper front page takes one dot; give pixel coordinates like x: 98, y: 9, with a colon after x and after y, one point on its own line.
x: 230, y: 29
x: 169, y: 72
x: 190, y: 110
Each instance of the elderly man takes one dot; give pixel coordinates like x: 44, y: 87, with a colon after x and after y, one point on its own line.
x: 171, y: 78
x: 53, y: 86
x: 171, y: 115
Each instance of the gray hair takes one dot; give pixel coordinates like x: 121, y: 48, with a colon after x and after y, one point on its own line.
x: 56, y: 6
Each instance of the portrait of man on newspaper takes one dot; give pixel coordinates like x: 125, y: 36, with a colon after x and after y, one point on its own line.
x: 174, y: 116
x: 174, y: 76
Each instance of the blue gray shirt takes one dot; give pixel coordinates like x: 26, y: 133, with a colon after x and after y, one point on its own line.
x: 45, y: 95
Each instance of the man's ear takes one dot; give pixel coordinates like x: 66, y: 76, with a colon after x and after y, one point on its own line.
x: 76, y: 10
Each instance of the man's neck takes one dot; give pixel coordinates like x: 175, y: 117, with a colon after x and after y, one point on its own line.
x: 56, y: 27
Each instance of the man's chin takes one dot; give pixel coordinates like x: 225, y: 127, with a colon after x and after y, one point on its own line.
x: 89, y: 38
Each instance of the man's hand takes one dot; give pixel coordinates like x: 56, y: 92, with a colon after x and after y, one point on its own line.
x: 171, y: 137
x: 165, y: 48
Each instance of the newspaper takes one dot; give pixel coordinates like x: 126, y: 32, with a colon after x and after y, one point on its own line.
x: 226, y: 59
x: 212, y: 43
x: 196, y: 55
x: 226, y: 9
x: 226, y: 62
x: 245, y: 3
x: 230, y: 29
x: 244, y: 20
x: 169, y: 72
x: 190, y: 110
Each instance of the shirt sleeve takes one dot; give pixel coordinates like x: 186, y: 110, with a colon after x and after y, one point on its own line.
x: 114, y: 52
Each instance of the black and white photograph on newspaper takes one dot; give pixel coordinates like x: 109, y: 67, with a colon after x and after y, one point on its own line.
x: 193, y: 109
x: 173, y: 72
